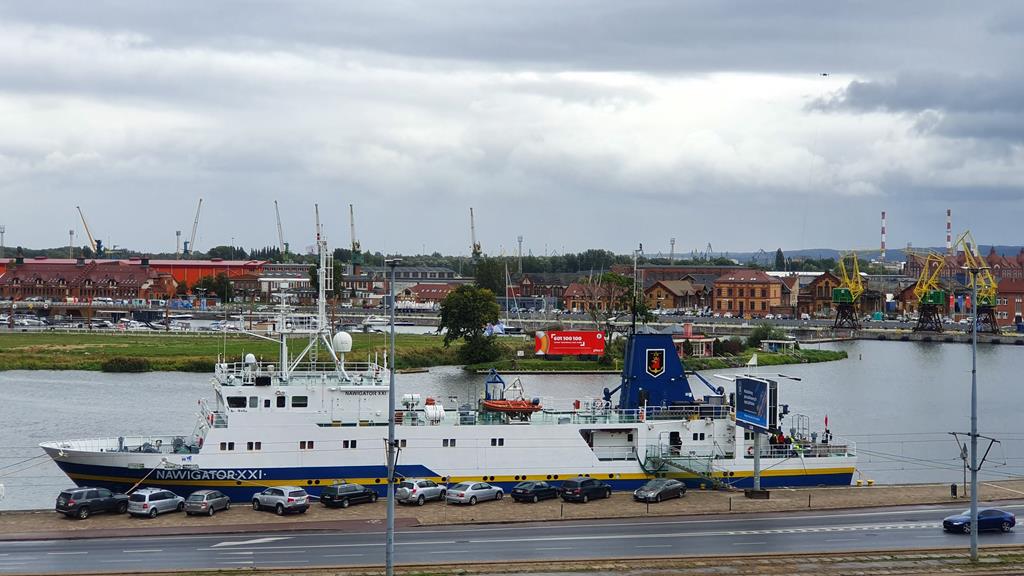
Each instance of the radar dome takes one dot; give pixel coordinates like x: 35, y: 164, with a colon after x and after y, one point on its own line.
x: 342, y: 342
x: 250, y: 358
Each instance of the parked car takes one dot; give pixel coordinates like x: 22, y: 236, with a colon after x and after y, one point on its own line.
x: 988, y: 519
x: 473, y: 492
x: 345, y: 494
x: 82, y: 502
x: 281, y: 499
x: 206, y: 502
x: 583, y: 489
x: 153, y: 501
x: 659, y: 489
x: 533, y: 491
x: 418, y: 491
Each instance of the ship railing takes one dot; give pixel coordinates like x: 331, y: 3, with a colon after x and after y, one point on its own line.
x: 808, y: 450
x: 700, y: 464
x: 615, y: 453
x: 242, y: 373
x: 214, y: 418
x: 164, y: 444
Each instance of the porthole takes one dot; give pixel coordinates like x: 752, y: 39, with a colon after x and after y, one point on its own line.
x: 309, y: 482
x: 316, y: 481
x: 376, y: 480
x: 492, y: 478
x: 549, y: 476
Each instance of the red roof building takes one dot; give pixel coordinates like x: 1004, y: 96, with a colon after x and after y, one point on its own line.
x: 84, y: 280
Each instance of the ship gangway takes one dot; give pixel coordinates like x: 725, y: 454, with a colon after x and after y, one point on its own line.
x: 658, y: 459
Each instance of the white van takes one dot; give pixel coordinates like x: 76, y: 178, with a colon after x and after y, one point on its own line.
x: 805, y: 316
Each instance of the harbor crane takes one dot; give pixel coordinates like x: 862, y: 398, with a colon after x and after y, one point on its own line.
x: 190, y: 245
x: 475, y: 246
x: 357, y: 255
x: 987, y: 286
x: 931, y: 296
x: 96, y: 245
x: 280, y: 235
x: 846, y: 296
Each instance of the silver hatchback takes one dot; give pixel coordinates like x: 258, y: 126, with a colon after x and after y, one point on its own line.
x: 206, y: 502
x: 153, y: 501
x: 473, y: 492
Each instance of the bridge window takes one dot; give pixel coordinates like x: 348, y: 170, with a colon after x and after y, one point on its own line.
x: 227, y: 446
x: 280, y: 401
x: 300, y: 401
x: 497, y: 441
x: 254, y: 445
x: 236, y: 401
x: 448, y: 443
x: 254, y: 402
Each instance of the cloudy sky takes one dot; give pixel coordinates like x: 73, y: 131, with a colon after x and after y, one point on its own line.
x: 575, y: 124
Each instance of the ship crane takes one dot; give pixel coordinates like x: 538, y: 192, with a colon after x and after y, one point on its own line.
x: 983, y: 280
x: 357, y: 255
x: 846, y: 296
x: 475, y: 246
x: 190, y: 245
x: 931, y: 297
x: 280, y: 235
x: 96, y: 245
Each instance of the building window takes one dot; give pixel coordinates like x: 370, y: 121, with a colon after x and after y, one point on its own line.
x: 762, y: 304
x: 764, y: 293
x: 300, y: 401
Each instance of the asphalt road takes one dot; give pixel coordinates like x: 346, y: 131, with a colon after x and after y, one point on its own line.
x: 904, y: 528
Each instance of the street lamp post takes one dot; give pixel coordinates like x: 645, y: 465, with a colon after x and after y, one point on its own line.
x: 389, y: 550
x: 974, y: 415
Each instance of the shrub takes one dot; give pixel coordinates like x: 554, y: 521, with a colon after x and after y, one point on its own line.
x: 730, y: 346
x: 126, y: 364
x: 481, y: 349
x: 763, y: 332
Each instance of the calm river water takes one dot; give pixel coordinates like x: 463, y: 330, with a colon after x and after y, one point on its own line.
x: 896, y: 400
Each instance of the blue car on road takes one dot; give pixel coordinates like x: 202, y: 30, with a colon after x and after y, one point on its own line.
x: 988, y: 519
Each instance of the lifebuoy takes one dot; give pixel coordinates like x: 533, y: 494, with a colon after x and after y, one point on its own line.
x: 750, y: 451
x: 642, y: 415
x: 209, y: 418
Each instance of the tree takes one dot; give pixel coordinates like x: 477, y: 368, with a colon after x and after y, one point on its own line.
x: 465, y: 312
x: 763, y: 332
x: 490, y: 274
x: 780, y: 260
x: 219, y: 285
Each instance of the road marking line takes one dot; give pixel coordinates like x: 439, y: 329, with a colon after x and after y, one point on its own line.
x: 1002, y: 488
x: 250, y: 542
x: 348, y: 555
x: 285, y: 552
x: 556, y: 548
x: 64, y: 553
x: 842, y: 539
x: 245, y: 562
x: 121, y: 560
x: 654, y: 546
x: 141, y: 551
x: 748, y: 543
x: 935, y: 536
x: 284, y: 562
x: 238, y: 553
x: 448, y: 552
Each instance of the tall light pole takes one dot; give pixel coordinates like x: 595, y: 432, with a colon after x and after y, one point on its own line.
x: 974, y: 414
x: 3, y: 229
x: 389, y: 546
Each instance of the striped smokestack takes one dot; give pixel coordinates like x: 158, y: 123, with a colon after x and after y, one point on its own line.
x: 882, y: 256
x: 949, y: 231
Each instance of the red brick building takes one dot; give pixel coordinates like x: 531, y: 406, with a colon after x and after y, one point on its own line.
x: 83, y: 280
x: 745, y: 292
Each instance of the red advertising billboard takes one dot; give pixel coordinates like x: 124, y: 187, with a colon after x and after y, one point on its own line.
x: 562, y: 343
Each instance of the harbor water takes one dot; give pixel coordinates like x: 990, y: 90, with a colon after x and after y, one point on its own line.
x: 897, y: 401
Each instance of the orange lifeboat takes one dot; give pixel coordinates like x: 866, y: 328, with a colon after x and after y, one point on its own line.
x: 517, y: 406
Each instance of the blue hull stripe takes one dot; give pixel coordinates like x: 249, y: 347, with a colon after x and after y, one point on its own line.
x: 241, y: 484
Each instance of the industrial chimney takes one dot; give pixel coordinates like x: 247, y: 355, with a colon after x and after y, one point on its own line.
x: 882, y: 255
x: 949, y: 231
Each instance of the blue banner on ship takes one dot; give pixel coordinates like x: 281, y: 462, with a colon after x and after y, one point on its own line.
x: 752, y: 404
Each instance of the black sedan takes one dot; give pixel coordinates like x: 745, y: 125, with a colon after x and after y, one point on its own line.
x: 988, y: 519
x: 533, y: 491
x: 344, y: 494
x: 659, y: 489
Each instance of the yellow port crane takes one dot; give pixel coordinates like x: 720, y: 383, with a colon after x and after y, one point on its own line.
x: 931, y: 296
x: 982, y: 280
x: 846, y: 296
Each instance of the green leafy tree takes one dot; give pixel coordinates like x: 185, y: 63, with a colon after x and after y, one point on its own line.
x: 465, y: 313
x: 219, y: 285
x: 763, y: 332
x: 780, y: 260
x: 490, y: 274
